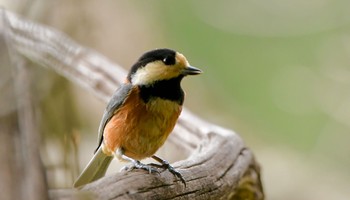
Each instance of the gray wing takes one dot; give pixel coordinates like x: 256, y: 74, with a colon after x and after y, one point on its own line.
x: 116, y: 101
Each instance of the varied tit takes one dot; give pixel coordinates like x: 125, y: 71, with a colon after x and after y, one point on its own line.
x: 141, y: 114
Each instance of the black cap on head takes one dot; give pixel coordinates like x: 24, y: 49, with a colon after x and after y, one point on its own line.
x: 165, y: 55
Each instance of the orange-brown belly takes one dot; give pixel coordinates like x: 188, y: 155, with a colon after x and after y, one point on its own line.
x: 139, y: 128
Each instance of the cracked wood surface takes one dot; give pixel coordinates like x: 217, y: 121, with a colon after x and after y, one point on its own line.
x: 220, y: 166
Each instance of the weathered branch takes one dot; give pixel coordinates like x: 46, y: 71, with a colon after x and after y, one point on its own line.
x: 219, y: 165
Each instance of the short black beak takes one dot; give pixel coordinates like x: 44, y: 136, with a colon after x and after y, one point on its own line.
x: 189, y: 70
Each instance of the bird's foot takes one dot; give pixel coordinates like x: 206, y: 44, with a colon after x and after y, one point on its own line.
x: 139, y: 165
x: 172, y: 170
x: 166, y: 165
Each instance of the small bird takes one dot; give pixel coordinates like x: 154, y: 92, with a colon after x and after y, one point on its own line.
x: 141, y: 114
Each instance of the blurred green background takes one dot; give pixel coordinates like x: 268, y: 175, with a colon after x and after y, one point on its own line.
x: 276, y: 72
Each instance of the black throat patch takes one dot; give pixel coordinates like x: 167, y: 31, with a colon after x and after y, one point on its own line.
x: 164, y: 89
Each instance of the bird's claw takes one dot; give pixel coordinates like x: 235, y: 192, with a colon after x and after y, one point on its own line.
x: 176, y: 173
x: 139, y: 165
x: 171, y: 169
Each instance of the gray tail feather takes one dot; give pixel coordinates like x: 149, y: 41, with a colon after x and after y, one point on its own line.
x: 96, y: 168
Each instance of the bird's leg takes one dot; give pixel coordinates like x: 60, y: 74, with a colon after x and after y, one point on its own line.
x: 171, y: 169
x: 135, y: 164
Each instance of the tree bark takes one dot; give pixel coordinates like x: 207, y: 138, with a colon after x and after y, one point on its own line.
x: 220, y: 166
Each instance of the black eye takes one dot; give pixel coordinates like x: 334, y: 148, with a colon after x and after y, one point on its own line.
x: 169, y: 60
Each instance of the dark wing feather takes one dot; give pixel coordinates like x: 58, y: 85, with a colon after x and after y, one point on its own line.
x: 114, y: 104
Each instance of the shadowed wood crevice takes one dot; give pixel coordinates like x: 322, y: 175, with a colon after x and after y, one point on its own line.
x: 219, y: 165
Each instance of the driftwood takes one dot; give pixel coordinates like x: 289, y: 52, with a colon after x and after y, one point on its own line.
x: 220, y: 166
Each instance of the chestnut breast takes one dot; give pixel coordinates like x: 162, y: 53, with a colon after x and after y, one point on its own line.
x: 140, y: 127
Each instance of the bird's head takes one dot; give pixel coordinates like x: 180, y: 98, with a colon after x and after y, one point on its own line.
x: 158, y: 65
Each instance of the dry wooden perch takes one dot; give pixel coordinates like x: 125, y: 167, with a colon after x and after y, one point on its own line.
x: 220, y: 166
